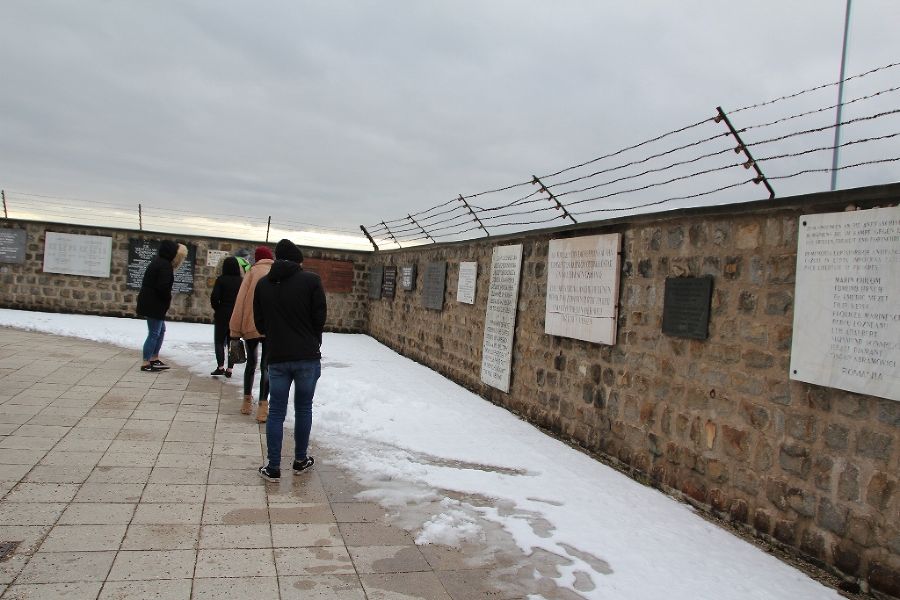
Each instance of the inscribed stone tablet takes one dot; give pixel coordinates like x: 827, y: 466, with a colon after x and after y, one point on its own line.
x: 214, y: 257
x: 71, y: 254
x: 500, y: 320
x: 408, y: 277
x: 847, y: 302
x: 465, y: 288
x: 433, y: 285
x: 389, y: 283
x: 336, y: 275
x: 583, y: 288
x: 686, y: 307
x: 376, y: 274
x: 141, y: 252
x: 12, y: 245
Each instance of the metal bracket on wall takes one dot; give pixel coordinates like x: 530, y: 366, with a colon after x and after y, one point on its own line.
x: 760, y: 178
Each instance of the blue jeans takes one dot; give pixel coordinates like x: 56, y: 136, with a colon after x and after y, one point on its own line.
x: 303, y: 374
x: 156, y: 331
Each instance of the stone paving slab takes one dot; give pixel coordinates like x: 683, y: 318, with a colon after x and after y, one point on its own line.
x: 123, y: 484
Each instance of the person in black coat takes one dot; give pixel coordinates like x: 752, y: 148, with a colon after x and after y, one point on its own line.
x: 222, y: 299
x: 289, y: 308
x: 155, y: 297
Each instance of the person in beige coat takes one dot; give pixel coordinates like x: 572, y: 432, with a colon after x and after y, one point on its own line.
x: 243, y: 326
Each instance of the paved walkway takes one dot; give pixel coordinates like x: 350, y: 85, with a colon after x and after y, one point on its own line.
x: 116, y: 483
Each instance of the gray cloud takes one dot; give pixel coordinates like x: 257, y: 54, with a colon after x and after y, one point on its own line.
x: 344, y: 113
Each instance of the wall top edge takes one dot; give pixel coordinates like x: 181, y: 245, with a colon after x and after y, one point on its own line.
x: 147, y: 233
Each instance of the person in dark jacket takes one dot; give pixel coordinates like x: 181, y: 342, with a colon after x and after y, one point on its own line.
x: 223, y: 297
x: 289, y: 308
x: 155, y: 298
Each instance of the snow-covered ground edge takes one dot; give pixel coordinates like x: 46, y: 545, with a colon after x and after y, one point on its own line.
x: 406, y: 429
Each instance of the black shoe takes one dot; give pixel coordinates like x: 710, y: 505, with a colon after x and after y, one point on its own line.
x: 218, y: 371
x: 270, y: 474
x: 159, y: 364
x: 228, y: 373
x: 303, y: 465
x: 151, y: 368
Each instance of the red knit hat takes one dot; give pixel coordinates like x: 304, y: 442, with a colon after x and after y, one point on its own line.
x: 263, y: 252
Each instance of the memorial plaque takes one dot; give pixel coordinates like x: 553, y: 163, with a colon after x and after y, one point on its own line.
x: 686, y: 307
x: 141, y: 252
x: 583, y: 288
x: 847, y: 302
x: 214, y: 257
x: 408, y: 277
x: 433, y: 285
x: 70, y: 254
x: 500, y: 320
x: 389, y: 283
x: 336, y: 275
x: 376, y: 274
x: 465, y: 287
x: 12, y: 245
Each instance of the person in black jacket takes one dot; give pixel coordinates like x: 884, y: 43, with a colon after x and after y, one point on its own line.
x: 155, y: 297
x: 289, y: 308
x: 222, y: 299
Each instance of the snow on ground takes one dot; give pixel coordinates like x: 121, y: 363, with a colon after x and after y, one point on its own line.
x: 409, y: 431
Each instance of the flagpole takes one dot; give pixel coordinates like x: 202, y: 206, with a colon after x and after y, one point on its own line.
x: 840, y: 102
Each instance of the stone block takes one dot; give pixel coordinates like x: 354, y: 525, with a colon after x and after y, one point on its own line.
x: 762, y: 521
x: 801, y: 501
x: 755, y: 415
x: 848, y: 483
x: 822, y: 473
x: 786, y: 532
x: 831, y: 517
x: 739, y: 510
x: 756, y: 359
x: 879, y: 491
x: 889, y: 412
x: 748, y: 235
x: 837, y: 437
x: 846, y: 558
x: 801, y: 427
x: 813, y: 545
x: 884, y: 577
x: 795, y: 458
x: 874, y: 445
x: 747, y: 481
x: 779, y: 303
x: 861, y: 529
x: 776, y: 493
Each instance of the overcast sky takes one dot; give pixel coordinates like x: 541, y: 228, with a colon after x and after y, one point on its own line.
x: 344, y: 113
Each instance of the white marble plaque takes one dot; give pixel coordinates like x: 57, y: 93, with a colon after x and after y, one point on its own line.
x: 847, y: 305
x: 583, y: 288
x: 500, y: 321
x: 465, y: 287
x: 71, y: 254
x: 214, y: 257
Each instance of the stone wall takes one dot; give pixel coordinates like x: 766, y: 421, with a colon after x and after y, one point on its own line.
x: 718, y: 422
x: 26, y: 286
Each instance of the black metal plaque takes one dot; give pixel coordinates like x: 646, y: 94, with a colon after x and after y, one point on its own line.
x: 141, y: 252
x: 408, y: 277
x: 433, y: 285
x: 12, y: 246
x: 389, y: 283
x: 686, y: 307
x: 376, y: 274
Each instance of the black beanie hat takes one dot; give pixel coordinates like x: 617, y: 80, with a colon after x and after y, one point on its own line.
x: 287, y: 250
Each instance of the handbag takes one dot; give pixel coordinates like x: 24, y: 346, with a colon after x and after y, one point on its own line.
x: 236, y: 352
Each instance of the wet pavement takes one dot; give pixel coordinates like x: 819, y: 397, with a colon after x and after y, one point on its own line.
x: 120, y: 484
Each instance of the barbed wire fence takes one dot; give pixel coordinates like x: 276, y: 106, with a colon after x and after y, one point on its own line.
x: 708, y: 160
x: 667, y: 169
x: 143, y: 217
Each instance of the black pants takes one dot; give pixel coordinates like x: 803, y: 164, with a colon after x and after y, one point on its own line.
x: 250, y: 369
x: 220, y: 341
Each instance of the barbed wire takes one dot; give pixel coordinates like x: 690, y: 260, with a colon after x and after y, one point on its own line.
x: 816, y: 88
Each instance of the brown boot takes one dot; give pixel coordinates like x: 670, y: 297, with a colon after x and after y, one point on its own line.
x: 247, y: 406
x: 262, y: 412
